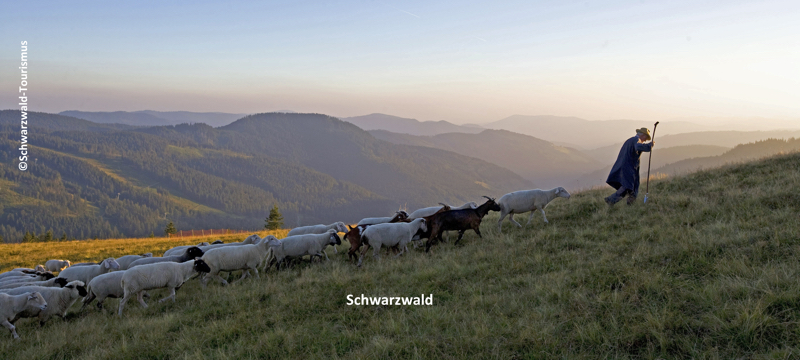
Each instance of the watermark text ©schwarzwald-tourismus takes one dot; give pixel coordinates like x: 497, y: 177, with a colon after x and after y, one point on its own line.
x: 23, y: 106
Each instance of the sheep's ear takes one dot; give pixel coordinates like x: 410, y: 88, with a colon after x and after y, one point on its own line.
x: 31, y: 296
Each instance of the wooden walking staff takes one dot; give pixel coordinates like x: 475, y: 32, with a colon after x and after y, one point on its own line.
x: 647, y: 190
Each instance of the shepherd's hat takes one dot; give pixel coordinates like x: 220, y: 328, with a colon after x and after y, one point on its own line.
x: 645, y: 132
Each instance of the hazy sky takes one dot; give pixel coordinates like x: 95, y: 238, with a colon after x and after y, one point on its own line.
x: 461, y: 61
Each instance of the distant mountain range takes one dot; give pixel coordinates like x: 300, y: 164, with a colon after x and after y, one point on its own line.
x: 110, y: 180
x: 154, y: 118
x: 585, y: 134
x: 410, y: 126
x: 545, y: 164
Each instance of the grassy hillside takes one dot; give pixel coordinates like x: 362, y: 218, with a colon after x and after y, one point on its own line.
x: 539, y: 161
x: 707, y: 269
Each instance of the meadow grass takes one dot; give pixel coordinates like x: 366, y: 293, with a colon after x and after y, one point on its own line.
x: 707, y: 269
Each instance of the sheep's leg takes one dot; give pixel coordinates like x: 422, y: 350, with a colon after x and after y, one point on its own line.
x: 221, y: 280
x: 477, y: 230
x: 363, y: 252
x: 530, y: 218
x: 11, y: 328
x: 139, y: 297
x: 503, y: 215
x: 511, y: 218
x: 87, y: 300
x: 100, y: 303
x: 171, y: 296
x: 122, y: 302
x: 376, y: 252
x: 326, y: 255
x: 543, y: 215
x: 255, y: 270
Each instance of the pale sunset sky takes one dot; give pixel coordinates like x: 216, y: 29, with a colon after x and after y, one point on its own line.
x: 460, y: 61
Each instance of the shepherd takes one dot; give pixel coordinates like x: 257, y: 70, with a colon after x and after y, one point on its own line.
x: 624, y: 175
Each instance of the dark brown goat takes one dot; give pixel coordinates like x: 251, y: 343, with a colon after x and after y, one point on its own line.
x: 460, y: 220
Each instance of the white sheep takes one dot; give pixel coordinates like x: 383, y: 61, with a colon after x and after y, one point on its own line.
x: 59, y: 282
x: 12, y: 305
x: 245, y: 257
x: 88, y: 272
x: 523, y: 201
x: 169, y: 275
x: 398, y: 216
x: 189, y: 254
x: 126, y: 260
x: 389, y: 235
x: 56, y: 265
x: 320, y: 229
x: 108, y: 285
x: 300, y: 245
x: 58, y: 299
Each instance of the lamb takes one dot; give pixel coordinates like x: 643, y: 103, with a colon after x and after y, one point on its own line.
x: 12, y: 305
x: 56, y: 265
x: 190, y: 254
x: 108, y: 285
x: 125, y: 261
x: 169, y: 275
x: 244, y: 257
x: 88, y: 272
x: 392, y: 234
x: 399, y: 216
x: 58, y: 299
x: 428, y: 211
x: 460, y: 220
x: 523, y: 201
x: 300, y: 245
x: 54, y: 282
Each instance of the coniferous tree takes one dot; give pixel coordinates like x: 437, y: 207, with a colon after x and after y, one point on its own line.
x: 275, y: 219
x: 48, y: 236
x: 152, y: 235
x: 170, y: 229
x: 63, y: 237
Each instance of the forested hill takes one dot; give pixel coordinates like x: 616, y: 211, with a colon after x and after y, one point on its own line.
x: 105, y: 180
x: 412, y: 175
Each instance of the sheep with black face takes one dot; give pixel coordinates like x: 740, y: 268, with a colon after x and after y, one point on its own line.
x: 170, y: 275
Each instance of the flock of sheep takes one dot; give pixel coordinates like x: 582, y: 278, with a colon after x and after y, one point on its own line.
x: 37, y: 292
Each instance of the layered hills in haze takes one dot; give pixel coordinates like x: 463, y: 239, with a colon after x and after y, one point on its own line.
x: 545, y: 164
x: 409, y: 126
x: 103, y: 180
x: 154, y: 118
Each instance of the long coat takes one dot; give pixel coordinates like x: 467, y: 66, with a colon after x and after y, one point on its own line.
x: 625, y: 172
